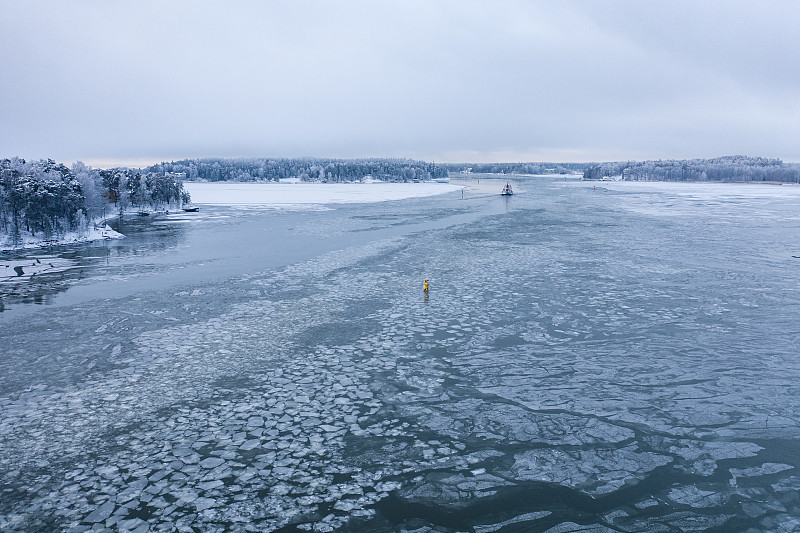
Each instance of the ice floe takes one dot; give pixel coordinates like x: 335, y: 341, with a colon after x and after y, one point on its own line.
x: 537, y: 386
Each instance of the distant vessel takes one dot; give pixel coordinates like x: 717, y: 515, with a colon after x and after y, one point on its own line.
x: 191, y: 209
x: 507, y: 189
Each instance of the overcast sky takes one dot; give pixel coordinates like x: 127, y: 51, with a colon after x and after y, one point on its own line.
x: 137, y: 82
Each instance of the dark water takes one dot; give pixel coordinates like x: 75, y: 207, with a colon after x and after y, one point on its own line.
x: 165, y: 250
x: 619, y: 359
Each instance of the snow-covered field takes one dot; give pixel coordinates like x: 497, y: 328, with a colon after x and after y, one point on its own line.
x: 726, y: 200
x: 299, y: 195
x: 699, y: 190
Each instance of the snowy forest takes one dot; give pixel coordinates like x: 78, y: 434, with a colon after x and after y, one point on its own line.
x: 324, y: 170
x: 728, y: 168
x: 47, y: 199
x: 518, y: 168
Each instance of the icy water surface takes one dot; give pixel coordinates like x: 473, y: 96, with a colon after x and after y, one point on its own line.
x: 617, y: 359
x: 216, y: 243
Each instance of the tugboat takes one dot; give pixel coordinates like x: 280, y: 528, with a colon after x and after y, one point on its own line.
x: 507, y: 190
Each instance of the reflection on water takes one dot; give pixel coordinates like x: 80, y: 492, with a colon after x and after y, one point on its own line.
x: 51, y: 270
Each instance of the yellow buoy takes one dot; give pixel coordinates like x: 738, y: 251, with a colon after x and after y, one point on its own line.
x: 425, y: 286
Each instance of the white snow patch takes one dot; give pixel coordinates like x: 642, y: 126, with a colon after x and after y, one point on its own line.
x: 300, y: 195
x: 35, y: 265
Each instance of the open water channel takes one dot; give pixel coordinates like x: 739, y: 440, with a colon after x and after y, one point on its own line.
x: 618, y: 358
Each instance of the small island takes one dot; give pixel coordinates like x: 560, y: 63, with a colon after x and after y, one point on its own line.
x: 43, y: 202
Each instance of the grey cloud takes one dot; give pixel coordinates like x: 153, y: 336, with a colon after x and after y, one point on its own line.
x: 439, y: 80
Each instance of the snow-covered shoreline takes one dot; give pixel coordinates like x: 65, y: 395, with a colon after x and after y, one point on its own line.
x: 28, y: 242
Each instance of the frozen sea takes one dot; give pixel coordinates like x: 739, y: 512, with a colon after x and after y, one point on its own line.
x: 590, y: 357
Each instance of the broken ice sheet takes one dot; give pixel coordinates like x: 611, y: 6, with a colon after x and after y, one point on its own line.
x: 703, y: 456
x: 762, y: 470
x: 307, y: 403
x: 519, y: 519
x: 482, y: 418
x: 595, y: 471
x: 696, y: 497
x: 454, y: 490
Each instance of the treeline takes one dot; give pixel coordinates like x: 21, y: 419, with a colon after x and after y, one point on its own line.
x: 322, y: 170
x: 518, y: 168
x: 728, y: 168
x: 48, y: 199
